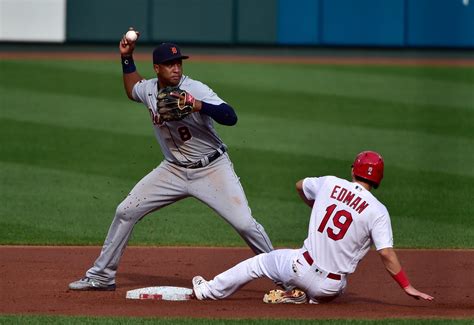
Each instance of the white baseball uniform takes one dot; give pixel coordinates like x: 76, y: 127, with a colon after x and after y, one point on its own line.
x: 345, y: 219
x: 184, y: 143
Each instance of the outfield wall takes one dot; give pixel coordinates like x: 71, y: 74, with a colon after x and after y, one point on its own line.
x: 33, y: 20
x: 368, y: 23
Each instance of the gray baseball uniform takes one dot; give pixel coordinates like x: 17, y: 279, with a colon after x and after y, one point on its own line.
x: 196, y: 164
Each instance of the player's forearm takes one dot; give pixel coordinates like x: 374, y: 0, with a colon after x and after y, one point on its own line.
x: 390, y: 260
x: 129, y: 80
x: 130, y: 74
x: 222, y: 114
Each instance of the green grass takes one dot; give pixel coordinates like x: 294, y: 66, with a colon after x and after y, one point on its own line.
x: 184, y: 321
x: 73, y: 145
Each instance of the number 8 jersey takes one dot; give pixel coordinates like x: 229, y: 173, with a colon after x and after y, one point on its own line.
x: 345, y: 220
x: 187, y: 140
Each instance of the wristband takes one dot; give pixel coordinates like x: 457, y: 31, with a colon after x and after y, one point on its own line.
x: 401, y: 279
x: 128, y: 66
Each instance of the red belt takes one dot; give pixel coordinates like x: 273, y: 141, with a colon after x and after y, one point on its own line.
x: 310, y: 261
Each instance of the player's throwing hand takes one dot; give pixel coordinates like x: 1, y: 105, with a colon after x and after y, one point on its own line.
x: 126, y: 46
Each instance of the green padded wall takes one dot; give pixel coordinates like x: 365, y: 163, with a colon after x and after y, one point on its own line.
x: 89, y: 20
x: 257, y: 21
x: 197, y: 21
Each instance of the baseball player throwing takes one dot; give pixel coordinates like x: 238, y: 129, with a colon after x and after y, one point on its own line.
x: 196, y: 163
x: 345, y: 220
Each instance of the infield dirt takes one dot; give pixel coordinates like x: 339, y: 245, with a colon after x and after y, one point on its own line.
x: 35, y: 281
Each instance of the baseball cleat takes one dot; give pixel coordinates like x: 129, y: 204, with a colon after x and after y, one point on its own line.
x: 285, y: 297
x: 198, y: 282
x: 88, y: 284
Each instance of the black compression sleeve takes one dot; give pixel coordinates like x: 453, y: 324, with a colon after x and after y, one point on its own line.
x: 222, y: 114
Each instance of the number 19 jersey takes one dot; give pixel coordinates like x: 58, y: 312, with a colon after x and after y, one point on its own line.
x: 345, y: 220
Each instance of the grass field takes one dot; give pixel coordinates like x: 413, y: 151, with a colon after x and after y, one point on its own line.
x: 73, y: 145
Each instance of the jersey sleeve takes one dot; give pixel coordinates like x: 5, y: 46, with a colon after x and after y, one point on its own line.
x: 382, y: 232
x: 139, y: 91
x: 311, y: 186
x: 201, y: 92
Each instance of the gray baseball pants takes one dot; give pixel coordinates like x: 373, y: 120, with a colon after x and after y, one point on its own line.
x: 216, y: 185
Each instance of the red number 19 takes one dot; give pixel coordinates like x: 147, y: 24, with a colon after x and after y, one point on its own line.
x: 342, y: 225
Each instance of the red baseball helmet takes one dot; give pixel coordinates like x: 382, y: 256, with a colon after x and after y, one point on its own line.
x: 369, y: 166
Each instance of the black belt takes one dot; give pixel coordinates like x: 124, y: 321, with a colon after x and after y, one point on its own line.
x: 310, y: 261
x: 208, y: 159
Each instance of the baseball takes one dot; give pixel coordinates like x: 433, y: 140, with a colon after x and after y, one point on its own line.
x: 131, y: 36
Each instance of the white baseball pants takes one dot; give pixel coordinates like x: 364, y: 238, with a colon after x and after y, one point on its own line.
x: 282, y: 265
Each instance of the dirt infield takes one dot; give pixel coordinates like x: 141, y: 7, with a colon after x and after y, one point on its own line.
x: 34, y: 281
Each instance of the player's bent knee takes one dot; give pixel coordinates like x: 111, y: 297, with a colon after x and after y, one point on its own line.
x: 127, y: 212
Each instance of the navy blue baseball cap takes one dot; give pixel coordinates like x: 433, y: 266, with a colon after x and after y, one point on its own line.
x: 167, y: 52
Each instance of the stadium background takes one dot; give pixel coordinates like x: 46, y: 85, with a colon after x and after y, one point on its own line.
x: 374, y: 23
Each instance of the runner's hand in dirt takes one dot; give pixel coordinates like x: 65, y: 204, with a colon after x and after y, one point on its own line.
x: 417, y: 294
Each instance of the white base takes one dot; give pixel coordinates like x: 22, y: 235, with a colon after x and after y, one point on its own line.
x: 161, y: 293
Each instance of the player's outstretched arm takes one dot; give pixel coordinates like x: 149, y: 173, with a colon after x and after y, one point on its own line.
x: 392, y: 264
x: 130, y: 74
x: 417, y: 294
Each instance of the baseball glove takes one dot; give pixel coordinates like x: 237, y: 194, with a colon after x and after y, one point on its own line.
x: 174, y: 104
